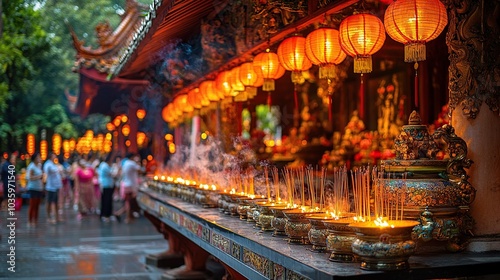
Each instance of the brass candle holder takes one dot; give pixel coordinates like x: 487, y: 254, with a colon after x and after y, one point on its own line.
x: 384, y: 247
x: 318, y: 233
x: 297, y: 225
x: 339, y: 240
x: 279, y: 220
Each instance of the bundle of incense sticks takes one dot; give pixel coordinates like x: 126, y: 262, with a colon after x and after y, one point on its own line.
x: 301, y: 178
x: 312, y: 187
x: 290, y: 185
x: 276, y: 182
x: 361, y: 186
x: 388, y: 203
x: 251, y: 187
x: 268, y: 187
x: 322, y: 186
x: 340, y: 192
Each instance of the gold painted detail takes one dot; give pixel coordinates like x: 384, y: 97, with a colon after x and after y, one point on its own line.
x: 220, y: 242
x: 236, y: 250
x: 278, y: 272
x: 291, y: 275
x: 257, y: 262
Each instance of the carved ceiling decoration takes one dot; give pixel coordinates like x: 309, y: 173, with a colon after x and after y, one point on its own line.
x: 473, y: 41
x: 244, y: 23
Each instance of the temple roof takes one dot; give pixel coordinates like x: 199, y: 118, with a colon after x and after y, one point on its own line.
x: 111, y: 42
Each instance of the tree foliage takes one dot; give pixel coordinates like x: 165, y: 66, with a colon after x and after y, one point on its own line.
x: 36, y: 57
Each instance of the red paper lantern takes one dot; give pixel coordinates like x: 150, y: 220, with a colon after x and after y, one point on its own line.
x: 413, y: 23
x: 141, y: 114
x: 267, y: 65
x: 323, y: 49
x: 362, y: 35
x: 235, y: 81
x: 208, y: 89
x: 292, y: 56
x: 194, y: 98
x: 223, y: 83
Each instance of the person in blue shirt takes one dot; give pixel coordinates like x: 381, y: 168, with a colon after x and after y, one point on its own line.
x: 52, y: 186
x: 106, y: 182
x: 34, y: 186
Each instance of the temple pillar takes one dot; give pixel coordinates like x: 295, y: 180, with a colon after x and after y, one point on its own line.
x: 133, y: 122
x: 474, y: 80
x: 170, y: 258
x: 121, y: 142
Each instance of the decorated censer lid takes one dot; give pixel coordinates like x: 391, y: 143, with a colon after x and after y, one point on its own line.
x: 415, y: 149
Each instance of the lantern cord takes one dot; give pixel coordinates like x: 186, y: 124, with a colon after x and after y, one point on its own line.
x: 362, y: 98
x: 296, y: 111
x: 269, y: 101
x: 330, y: 96
x: 330, y: 116
x: 295, y: 97
x: 416, y: 85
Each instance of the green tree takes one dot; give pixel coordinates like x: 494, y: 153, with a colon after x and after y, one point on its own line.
x: 36, y: 58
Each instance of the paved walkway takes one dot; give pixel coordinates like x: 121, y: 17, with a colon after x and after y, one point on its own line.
x: 80, y: 249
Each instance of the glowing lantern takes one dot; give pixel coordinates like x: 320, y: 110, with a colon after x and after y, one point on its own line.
x: 72, y: 145
x: 292, y: 56
x: 117, y: 121
x: 323, y: 49
x: 56, y: 143
x: 126, y: 130
x: 250, y: 79
x: 141, y: 138
x: 110, y: 126
x: 194, y: 98
x: 169, y: 137
x: 44, y: 149
x: 413, y: 23
x: 166, y: 113
x: 267, y: 65
x: 181, y: 102
x: 124, y: 118
x: 362, y: 35
x: 235, y: 81
x: 30, y: 144
x: 65, y: 146
x: 208, y: 88
x: 141, y: 114
x: 223, y: 83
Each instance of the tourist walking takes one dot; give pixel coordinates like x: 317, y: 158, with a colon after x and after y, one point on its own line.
x: 106, y: 183
x: 34, y: 185
x: 129, y: 184
x: 84, y: 185
x: 52, y: 186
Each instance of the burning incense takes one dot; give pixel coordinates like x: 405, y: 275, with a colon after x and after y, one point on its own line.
x: 312, y: 187
x: 268, y: 188
x: 276, y: 181
x: 340, y: 191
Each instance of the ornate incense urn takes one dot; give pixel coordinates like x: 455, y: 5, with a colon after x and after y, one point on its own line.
x: 435, y: 192
x: 384, y: 248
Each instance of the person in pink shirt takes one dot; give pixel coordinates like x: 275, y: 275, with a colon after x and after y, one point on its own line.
x: 84, y: 184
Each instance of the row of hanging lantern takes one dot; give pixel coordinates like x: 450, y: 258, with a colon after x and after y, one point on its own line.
x: 411, y: 22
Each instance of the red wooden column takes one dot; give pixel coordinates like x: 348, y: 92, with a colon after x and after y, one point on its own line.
x: 134, y: 125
